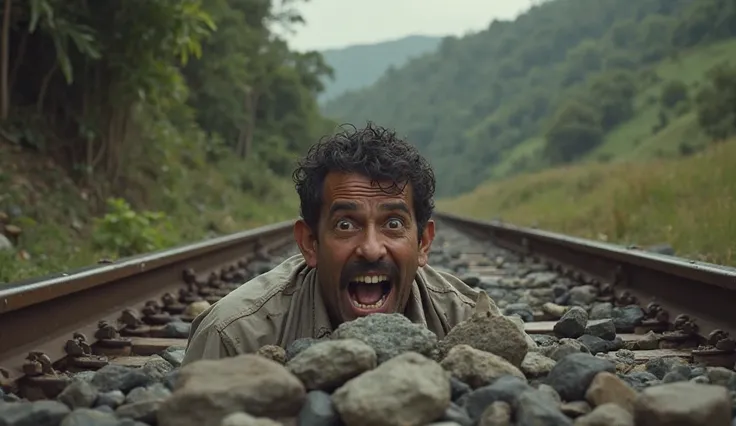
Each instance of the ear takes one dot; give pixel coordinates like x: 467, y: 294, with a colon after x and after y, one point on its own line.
x: 307, y: 242
x: 426, y: 243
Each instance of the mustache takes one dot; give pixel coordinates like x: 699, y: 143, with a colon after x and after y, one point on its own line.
x: 360, y: 267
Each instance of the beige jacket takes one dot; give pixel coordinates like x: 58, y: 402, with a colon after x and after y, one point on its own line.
x: 285, y: 304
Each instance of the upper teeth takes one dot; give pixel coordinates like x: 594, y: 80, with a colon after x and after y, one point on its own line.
x: 370, y: 279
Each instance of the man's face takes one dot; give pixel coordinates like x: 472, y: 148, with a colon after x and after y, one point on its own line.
x: 367, y: 249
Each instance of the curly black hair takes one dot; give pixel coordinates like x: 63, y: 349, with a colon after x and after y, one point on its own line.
x: 374, y: 152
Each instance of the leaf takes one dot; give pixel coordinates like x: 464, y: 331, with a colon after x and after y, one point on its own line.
x: 62, y: 59
x: 37, y: 7
x: 35, y: 14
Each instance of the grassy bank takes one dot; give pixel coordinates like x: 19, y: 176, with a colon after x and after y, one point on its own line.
x: 63, y: 228
x: 687, y: 202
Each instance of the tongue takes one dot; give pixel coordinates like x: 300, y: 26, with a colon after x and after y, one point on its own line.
x: 368, y: 294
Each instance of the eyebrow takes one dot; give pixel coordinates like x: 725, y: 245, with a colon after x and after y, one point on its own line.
x: 343, y: 205
x: 396, y: 206
x: 350, y: 206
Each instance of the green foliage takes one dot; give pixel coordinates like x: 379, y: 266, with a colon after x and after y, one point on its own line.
x: 673, y: 92
x: 125, y: 232
x: 251, y: 86
x: 662, y: 121
x: 190, y: 108
x: 125, y: 60
x: 705, y: 21
x: 613, y: 93
x: 580, y: 124
x: 716, y: 103
x: 56, y: 20
x: 575, y: 131
x: 479, y: 97
x: 655, y: 35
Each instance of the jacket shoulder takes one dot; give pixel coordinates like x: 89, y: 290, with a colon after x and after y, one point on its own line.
x: 251, y: 315
x: 261, y: 295
x: 447, y: 286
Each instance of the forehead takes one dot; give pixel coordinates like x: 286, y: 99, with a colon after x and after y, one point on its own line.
x: 356, y: 187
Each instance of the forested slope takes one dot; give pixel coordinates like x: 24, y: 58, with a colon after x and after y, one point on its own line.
x: 129, y: 126
x: 560, y: 80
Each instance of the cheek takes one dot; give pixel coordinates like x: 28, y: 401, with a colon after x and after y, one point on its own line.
x: 333, y: 257
x: 407, y: 263
x: 406, y: 253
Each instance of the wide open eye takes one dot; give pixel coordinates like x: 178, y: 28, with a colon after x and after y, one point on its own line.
x: 344, y: 225
x: 395, y: 224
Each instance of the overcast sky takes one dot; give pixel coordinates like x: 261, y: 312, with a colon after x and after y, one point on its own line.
x: 339, y: 23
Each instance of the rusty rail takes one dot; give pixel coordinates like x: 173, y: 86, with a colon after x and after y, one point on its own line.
x: 703, y: 291
x: 42, y: 314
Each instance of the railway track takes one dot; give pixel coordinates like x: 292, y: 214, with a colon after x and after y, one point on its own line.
x: 130, y: 311
x: 118, y: 311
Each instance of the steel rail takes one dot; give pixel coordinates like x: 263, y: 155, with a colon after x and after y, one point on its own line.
x: 705, y: 292
x: 42, y: 314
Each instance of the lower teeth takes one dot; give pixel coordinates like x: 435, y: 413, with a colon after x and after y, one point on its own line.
x: 373, y: 306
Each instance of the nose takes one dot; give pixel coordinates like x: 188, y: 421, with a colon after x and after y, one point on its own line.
x: 371, y: 248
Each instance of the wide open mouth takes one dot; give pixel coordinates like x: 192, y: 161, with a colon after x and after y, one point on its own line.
x: 369, y: 293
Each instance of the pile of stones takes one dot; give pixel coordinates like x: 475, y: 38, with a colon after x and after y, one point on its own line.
x: 385, y: 370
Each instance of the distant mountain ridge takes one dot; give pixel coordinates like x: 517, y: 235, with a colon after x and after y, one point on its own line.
x: 359, y: 66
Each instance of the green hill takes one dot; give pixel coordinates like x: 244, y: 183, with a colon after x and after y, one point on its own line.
x: 568, y: 81
x: 641, y: 137
x: 359, y: 66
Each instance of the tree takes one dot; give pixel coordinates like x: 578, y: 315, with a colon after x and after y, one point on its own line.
x: 673, y: 92
x: 716, y: 102
x: 655, y: 34
x: 584, y: 58
x: 236, y: 87
x: 613, y: 93
x: 575, y: 130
